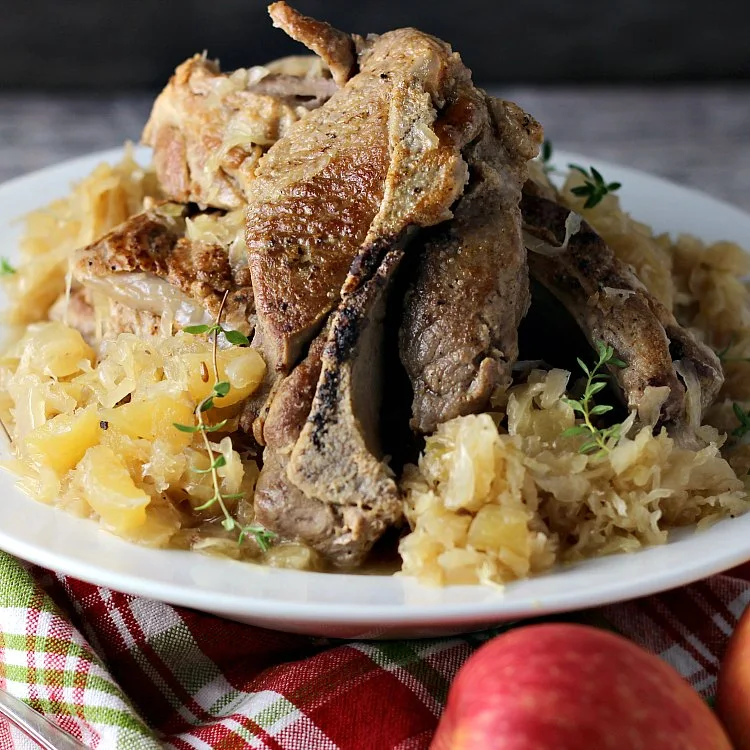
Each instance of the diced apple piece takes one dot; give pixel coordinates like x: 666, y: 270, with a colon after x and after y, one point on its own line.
x: 161, y: 523
x: 43, y: 484
x: 153, y: 418
x: 496, y: 528
x: 243, y: 368
x: 111, y: 492
x: 292, y: 555
x: 61, y: 442
x: 61, y: 349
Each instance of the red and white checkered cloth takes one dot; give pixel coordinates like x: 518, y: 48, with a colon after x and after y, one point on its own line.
x: 117, y: 671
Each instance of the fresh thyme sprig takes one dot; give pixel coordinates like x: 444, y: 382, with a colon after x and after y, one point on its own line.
x: 233, y: 337
x: 594, y: 187
x: 546, y: 158
x: 596, y: 380
x: 743, y: 418
x: 221, y: 388
x: 5, y: 268
x: 263, y: 536
x: 722, y: 354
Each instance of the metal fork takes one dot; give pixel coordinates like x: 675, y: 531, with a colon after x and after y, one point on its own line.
x: 35, y: 726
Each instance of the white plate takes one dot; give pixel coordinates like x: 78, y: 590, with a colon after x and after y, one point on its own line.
x: 351, y: 606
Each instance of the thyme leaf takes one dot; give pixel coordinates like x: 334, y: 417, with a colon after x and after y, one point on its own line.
x: 596, y: 380
x: 723, y: 354
x: 743, y: 418
x: 546, y: 158
x: 236, y: 338
x: 594, y: 187
x: 221, y: 389
x: 263, y: 536
x: 5, y: 267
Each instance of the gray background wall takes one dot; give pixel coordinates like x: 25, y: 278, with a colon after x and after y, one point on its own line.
x: 96, y: 44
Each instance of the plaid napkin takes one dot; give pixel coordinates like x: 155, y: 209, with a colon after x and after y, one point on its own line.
x: 117, y: 671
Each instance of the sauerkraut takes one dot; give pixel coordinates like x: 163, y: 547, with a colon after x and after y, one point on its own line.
x: 107, y: 197
x: 493, y: 499
x: 490, y: 505
x: 95, y: 433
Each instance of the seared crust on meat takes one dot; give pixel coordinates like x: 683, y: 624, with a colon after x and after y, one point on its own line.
x: 458, y: 337
x: 610, y: 304
x: 152, y: 244
x: 328, y: 188
x: 336, y: 460
x: 318, y: 191
x: 328, y: 217
x: 335, y: 47
x: 279, y: 504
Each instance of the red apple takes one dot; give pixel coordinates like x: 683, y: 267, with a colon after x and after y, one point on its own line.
x: 573, y: 687
x: 733, y: 696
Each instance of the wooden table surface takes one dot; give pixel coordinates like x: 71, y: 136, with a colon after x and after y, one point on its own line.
x: 698, y: 136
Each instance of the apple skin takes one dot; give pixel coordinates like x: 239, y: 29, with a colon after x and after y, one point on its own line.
x: 573, y: 687
x: 733, y: 689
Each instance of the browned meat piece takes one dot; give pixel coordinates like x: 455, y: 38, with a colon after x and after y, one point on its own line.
x: 328, y: 217
x: 318, y: 191
x: 209, y: 129
x: 610, y: 304
x: 278, y: 503
x: 458, y: 337
x: 148, y: 269
x: 335, y: 47
x: 337, y: 460
x: 97, y: 318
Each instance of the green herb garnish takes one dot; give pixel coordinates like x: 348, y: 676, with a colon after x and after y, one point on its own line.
x: 546, y: 158
x: 202, y: 427
x: 723, y: 354
x: 5, y: 267
x: 262, y: 536
x: 743, y: 418
x: 596, y: 380
x: 233, y: 337
x: 594, y: 188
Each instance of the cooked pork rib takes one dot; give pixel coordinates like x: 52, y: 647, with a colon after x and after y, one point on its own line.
x: 319, y: 190
x: 278, y: 503
x: 458, y: 337
x: 328, y: 216
x: 334, y: 47
x: 610, y: 304
x: 149, y: 269
x: 209, y: 129
x: 337, y: 460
